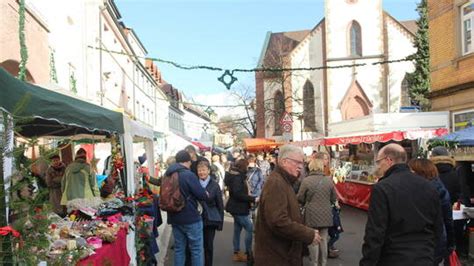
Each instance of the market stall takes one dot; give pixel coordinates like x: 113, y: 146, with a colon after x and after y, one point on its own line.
x: 354, y: 144
x: 38, y: 112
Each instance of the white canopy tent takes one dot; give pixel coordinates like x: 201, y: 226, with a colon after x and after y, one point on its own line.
x: 135, y: 131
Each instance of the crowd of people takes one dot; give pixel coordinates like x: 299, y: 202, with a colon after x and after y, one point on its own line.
x: 248, y: 184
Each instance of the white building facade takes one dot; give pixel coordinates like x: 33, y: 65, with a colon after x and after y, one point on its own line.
x: 98, y: 59
x: 353, y: 32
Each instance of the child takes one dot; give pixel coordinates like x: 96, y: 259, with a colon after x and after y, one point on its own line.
x: 334, y: 231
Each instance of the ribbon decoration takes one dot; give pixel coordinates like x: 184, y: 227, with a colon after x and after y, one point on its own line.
x: 8, y: 229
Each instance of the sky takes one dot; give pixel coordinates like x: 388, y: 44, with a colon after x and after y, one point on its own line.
x: 221, y: 33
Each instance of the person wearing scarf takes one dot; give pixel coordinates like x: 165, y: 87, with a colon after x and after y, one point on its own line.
x: 213, y: 209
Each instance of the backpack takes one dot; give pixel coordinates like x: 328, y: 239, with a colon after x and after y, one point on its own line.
x: 171, y: 199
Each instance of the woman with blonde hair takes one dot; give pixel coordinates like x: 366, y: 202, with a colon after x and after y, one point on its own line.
x: 317, y: 195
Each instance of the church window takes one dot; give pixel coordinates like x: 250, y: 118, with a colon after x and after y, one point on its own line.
x: 405, y: 93
x: 279, y: 105
x: 308, y: 107
x: 355, y: 39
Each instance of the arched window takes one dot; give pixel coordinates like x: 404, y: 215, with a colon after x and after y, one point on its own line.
x: 405, y: 93
x: 279, y: 105
x: 308, y: 107
x: 355, y: 34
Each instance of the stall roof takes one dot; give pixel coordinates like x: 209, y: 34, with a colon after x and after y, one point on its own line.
x: 260, y: 144
x: 48, y: 113
x: 464, y: 137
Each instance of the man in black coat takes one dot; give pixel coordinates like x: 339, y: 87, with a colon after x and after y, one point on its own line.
x: 404, y: 218
x: 447, y: 172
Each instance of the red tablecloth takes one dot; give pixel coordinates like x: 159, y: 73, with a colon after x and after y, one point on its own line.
x: 354, y: 194
x: 110, y: 254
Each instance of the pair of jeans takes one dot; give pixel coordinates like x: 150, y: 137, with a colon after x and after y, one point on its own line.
x: 209, y: 234
x: 243, y: 221
x: 333, y: 233
x: 188, y: 235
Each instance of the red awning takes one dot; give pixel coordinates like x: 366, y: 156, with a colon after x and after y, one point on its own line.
x: 309, y: 142
x: 201, y: 146
x: 370, y: 138
x: 376, y: 137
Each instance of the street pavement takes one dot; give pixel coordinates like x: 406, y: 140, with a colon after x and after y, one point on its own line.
x: 350, y: 243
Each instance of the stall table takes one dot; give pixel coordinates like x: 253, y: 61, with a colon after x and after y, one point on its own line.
x: 354, y: 193
x: 111, y: 253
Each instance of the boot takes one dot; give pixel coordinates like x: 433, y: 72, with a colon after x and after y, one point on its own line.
x: 239, y: 257
x: 250, y: 260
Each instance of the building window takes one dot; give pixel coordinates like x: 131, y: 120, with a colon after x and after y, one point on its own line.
x: 279, y: 105
x: 462, y: 120
x: 308, y: 107
x: 467, y: 19
x: 405, y: 93
x: 355, y: 34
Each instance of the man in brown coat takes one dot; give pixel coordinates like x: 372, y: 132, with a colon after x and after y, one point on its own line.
x: 280, y: 233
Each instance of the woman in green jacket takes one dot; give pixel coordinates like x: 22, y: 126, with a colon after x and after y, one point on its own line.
x: 79, y: 181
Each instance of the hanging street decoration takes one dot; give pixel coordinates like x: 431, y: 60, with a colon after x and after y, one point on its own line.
x: 230, y: 72
x: 23, y: 49
x: 222, y: 79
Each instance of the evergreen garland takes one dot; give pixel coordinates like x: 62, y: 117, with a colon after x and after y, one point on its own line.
x: 72, y: 82
x: 23, y: 49
x: 53, y: 76
x: 419, y: 80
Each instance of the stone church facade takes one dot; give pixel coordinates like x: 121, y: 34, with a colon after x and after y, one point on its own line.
x: 353, y: 32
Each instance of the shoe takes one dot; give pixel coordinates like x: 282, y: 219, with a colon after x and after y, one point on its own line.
x: 332, y: 254
x: 239, y: 257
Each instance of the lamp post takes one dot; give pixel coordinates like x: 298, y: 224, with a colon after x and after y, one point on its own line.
x: 301, y: 118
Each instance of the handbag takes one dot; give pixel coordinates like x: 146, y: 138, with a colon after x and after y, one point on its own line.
x: 213, y: 215
x: 453, y: 259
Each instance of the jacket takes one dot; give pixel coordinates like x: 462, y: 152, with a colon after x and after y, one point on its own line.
x: 255, y: 180
x: 54, y: 177
x: 449, y: 176
x: 404, y: 220
x: 317, y: 195
x: 280, y: 233
x: 78, y: 182
x: 192, y: 191
x: 214, y: 201
x: 446, y: 240
x: 239, y: 198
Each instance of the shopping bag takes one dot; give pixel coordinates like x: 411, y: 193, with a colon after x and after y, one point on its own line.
x: 453, y: 259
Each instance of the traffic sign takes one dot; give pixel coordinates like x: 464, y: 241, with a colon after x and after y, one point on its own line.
x: 286, y: 119
x: 287, y: 127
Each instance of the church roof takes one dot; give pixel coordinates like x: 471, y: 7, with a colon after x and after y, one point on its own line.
x: 279, y: 44
x: 410, y: 25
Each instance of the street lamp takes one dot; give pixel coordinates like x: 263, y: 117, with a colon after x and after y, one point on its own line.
x: 301, y: 118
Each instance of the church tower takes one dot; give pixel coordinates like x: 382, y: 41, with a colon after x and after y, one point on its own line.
x: 354, y: 34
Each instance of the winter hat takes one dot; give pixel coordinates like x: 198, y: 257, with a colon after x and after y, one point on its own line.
x: 81, y: 153
x: 439, y: 151
x: 183, y: 156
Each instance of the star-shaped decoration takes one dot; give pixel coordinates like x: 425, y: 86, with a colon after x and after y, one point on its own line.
x: 223, y: 79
